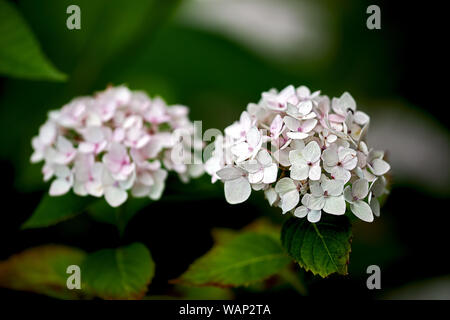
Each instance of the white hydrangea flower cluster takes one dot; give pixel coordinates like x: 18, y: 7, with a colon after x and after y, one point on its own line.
x: 307, y: 152
x: 112, y: 143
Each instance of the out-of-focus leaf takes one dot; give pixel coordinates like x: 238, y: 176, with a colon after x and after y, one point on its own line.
x: 260, y: 225
x: 247, y: 258
x: 122, y: 273
x: 204, y: 293
x: 52, y: 210
x: 42, y: 270
x: 263, y: 225
x: 103, y: 212
x: 223, y: 235
x: 20, y: 54
x: 322, y: 248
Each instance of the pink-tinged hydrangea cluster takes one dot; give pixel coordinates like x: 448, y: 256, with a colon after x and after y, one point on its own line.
x: 307, y: 152
x: 114, y: 143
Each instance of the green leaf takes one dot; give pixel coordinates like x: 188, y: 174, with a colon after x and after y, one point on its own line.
x: 322, y: 248
x: 42, y: 270
x: 204, y: 293
x: 52, y: 210
x: 246, y: 258
x: 103, y: 212
x: 20, y: 54
x: 122, y: 273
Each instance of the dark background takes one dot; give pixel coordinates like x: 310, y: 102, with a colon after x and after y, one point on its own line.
x: 404, y: 64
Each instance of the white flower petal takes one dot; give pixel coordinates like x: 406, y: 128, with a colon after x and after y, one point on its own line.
x: 62, y: 171
x: 314, y: 216
x: 301, y: 212
x: 380, y: 167
x: 346, y: 101
x: 229, y: 173
x: 313, y: 203
x: 331, y: 138
x: 290, y: 200
x: 237, y: 190
x: 256, y: 177
x: 303, y: 92
x: 316, y: 189
x: 296, y: 157
x: 360, y: 188
x: 299, y: 171
x: 305, y: 107
x: 315, y: 172
x: 264, y: 158
x: 308, y: 125
x: 270, y: 174
x: 115, y: 196
x: 333, y: 187
x: 297, y: 135
x: 156, y: 190
x: 282, y: 156
x: 362, y: 210
x: 291, y: 123
x: 330, y: 157
x: 298, y: 144
x: 242, y: 150
x: 361, y: 118
x: 339, y: 173
x: 311, y: 152
x: 346, y: 154
x: 47, y: 133
x: 271, y: 195
x: 251, y: 166
x: 375, y: 206
x: 334, y: 205
x: 351, y: 164
x: 253, y: 137
x: 86, y: 147
x: 378, y: 187
x: 140, y: 190
x: 348, y: 196
x: 94, y: 188
x: 79, y: 189
x: 59, y: 187
x: 285, y: 185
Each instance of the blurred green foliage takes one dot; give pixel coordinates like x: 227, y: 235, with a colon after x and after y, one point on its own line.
x: 20, y: 54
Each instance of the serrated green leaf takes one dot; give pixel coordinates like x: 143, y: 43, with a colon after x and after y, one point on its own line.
x: 52, y: 210
x: 42, y: 270
x: 246, y: 258
x: 20, y: 54
x: 322, y: 248
x: 122, y: 273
